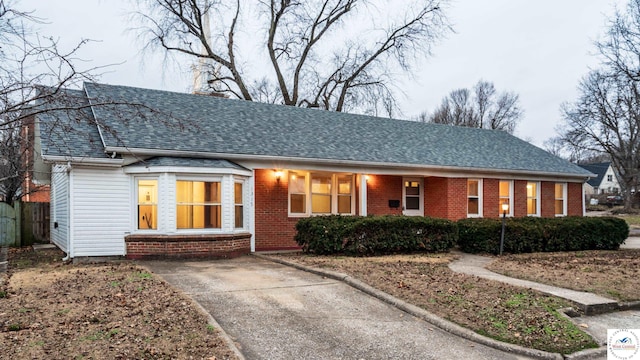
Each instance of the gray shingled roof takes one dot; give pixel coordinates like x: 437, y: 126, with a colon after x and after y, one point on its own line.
x: 189, y: 162
x: 197, y: 123
x: 68, y: 132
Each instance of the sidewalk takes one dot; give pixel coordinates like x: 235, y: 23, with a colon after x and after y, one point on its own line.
x: 599, y: 314
x: 588, y: 303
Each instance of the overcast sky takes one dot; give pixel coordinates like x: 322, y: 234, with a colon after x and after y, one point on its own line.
x: 539, y: 49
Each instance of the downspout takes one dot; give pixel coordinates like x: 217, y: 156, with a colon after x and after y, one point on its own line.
x: 584, y: 194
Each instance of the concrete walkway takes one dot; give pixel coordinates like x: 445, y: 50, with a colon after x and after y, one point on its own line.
x: 588, y: 303
x: 273, y: 311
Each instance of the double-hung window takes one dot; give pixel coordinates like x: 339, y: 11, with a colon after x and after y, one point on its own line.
x: 238, y: 205
x: 199, y: 205
x: 533, y: 198
x: 320, y: 193
x: 147, y: 204
x: 561, y: 199
x: 505, y: 195
x: 474, y: 198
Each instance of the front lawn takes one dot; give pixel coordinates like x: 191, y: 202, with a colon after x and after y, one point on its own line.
x: 507, y: 313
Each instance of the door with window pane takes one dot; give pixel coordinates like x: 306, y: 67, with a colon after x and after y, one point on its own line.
x: 412, y: 196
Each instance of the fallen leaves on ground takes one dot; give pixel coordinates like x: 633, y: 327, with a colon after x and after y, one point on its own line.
x: 98, y: 311
x: 612, y: 274
x: 507, y: 313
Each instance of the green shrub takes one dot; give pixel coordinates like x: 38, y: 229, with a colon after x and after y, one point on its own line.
x: 372, y: 235
x: 532, y: 234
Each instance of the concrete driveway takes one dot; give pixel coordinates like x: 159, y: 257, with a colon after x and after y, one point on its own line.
x: 273, y: 311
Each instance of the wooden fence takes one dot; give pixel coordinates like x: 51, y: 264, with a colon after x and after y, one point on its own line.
x: 24, y: 224
x: 35, y: 223
x: 7, y: 225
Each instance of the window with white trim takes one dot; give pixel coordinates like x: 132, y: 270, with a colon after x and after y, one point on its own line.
x: 474, y: 198
x: 198, y: 205
x: 561, y: 199
x: 320, y: 193
x: 147, y: 204
x: 533, y: 198
x: 345, y: 196
x: 505, y: 191
x: 297, y: 193
x: 238, y: 205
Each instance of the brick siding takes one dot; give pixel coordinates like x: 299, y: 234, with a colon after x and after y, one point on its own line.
x: 143, y: 246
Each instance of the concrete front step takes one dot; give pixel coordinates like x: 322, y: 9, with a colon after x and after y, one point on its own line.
x: 586, y: 303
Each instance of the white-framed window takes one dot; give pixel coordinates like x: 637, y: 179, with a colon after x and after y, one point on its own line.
x: 147, y: 204
x: 320, y: 193
x: 505, y: 193
x: 561, y: 199
x: 474, y: 197
x: 198, y: 204
x: 345, y: 194
x: 533, y: 198
x: 609, y: 177
x: 297, y: 193
x: 238, y: 204
x: 413, y: 196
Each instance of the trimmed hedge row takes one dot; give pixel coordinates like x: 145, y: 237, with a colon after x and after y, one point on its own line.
x: 526, y: 235
x: 372, y: 235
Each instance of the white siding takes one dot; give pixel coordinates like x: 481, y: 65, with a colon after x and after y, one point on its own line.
x: 60, y: 207
x: 101, y: 214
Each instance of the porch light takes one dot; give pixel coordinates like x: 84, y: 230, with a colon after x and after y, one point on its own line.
x: 277, y: 174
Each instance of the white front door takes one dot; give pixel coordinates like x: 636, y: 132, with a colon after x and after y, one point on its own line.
x: 413, y: 196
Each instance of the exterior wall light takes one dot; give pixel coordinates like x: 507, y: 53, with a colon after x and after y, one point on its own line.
x: 277, y: 174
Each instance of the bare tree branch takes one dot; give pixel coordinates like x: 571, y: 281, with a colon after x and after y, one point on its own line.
x: 312, y: 56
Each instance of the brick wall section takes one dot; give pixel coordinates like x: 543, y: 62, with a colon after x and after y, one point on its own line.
x: 491, y: 198
x: 574, y: 199
x: 519, y: 198
x: 33, y: 192
x: 446, y: 198
x: 547, y: 199
x: 381, y: 189
x: 443, y: 198
x: 435, y: 199
x: 149, y: 246
x: 274, y: 229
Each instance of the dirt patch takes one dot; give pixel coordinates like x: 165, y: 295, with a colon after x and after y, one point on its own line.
x: 102, y: 311
x: 612, y: 274
x: 500, y: 311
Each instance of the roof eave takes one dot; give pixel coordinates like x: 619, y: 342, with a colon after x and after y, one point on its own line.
x: 252, y: 157
x: 83, y: 160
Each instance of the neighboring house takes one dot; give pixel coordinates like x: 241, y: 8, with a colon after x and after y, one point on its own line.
x: 605, y: 181
x: 192, y: 175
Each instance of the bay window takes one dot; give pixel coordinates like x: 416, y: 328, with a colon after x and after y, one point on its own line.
x: 238, y: 205
x: 147, y: 204
x: 198, y: 205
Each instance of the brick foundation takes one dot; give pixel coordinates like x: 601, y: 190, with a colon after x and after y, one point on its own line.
x: 210, y: 246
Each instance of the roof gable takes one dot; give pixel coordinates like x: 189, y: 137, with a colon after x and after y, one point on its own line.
x: 600, y: 169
